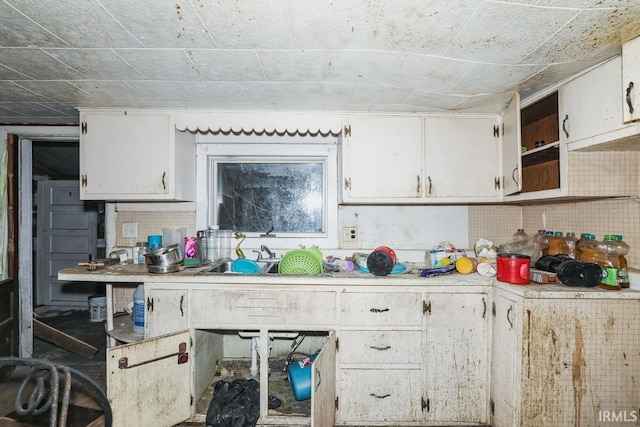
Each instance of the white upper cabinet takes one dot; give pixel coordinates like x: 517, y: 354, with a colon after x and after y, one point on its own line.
x: 590, y: 104
x: 134, y: 155
x: 462, y: 157
x: 412, y: 159
x: 631, y: 80
x: 511, y: 161
x: 382, y: 158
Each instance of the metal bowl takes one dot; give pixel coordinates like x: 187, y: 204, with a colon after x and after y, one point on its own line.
x: 164, y: 257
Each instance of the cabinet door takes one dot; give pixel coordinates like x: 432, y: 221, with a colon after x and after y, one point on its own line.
x: 125, y: 156
x: 149, y: 382
x: 590, y: 104
x: 631, y: 80
x: 323, y: 390
x: 382, y: 159
x: 456, y: 364
x: 511, y: 170
x: 505, y: 360
x: 166, y: 311
x: 580, y: 361
x: 461, y: 157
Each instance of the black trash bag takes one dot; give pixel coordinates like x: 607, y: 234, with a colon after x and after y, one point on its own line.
x: 236, y: 404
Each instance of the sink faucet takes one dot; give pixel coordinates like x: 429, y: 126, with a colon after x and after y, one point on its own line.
x: 263, y: 248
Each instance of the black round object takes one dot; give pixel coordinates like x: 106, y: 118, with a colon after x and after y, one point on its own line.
x: 379, y: 263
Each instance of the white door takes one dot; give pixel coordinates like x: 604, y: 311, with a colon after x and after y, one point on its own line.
x: 166, y: 310
x: 631, y: 80
x: 383, y: 158
x: 511, y: 180
x: 505, y: 361
x: 67, y: 234
x: 149, y: 382
x: 323, y: 389
x: 457, y: 354
x: 125, y: 155
x: 461, y: 157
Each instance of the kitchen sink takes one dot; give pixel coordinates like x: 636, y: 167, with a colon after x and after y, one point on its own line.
x: 224, y: 266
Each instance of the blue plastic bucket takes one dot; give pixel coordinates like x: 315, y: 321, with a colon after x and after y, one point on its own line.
x: 299, y: 374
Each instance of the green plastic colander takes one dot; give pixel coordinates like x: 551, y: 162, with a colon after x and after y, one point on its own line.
x: 300, y: 261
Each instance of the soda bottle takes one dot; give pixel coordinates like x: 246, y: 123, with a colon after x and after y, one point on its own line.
x: 609, y: 262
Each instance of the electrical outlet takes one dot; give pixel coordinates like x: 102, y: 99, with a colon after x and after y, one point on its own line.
x: 129, y: 229
x: 350, y: 238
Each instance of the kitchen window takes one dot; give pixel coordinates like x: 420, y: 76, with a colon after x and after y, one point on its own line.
x: 276, y: 186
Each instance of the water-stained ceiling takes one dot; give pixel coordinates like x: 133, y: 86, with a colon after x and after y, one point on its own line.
x: 322, y: 55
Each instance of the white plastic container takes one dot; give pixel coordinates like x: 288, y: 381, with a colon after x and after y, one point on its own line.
x: 138, y: 310
x: 172, y: 236
x: 97, y: 308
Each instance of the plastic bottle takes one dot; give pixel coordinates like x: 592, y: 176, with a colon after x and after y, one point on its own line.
x: 609, y: 262
x: 557, y: 244
x: 578, y: 242
x: 466, y: 265
x: 547, y: 235
x: 623, y: 273
x: 138, y: 310
x: 520, y: 234
x: 540, y: 243
x: 571, y: 241
x: 589, y: 251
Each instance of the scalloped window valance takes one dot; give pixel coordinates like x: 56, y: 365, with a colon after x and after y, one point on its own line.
x: 260, y: 123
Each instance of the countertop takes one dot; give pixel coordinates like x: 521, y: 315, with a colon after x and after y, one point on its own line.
x: 449, y: 282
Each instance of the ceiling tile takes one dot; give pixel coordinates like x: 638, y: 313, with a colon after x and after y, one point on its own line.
x: 58, y: 91
x: 35, y: 109
x: 96, y: 63
x: 30, y: 34
x: 9, y: 74
x: 246, y: 25
x: 161, y: 64
x: 37, y: 64
x: 162, y: 24
x: 227, y: 65
x: 298, y: 65
x: 14, y: 91
x: 502, y: 33
x: 586, y: 36
x: 186, y: 92
x: 427, y: 101
x: 588, y: 4
x: 75, y: 23
x: 109, y: 92
x: 476, y: 82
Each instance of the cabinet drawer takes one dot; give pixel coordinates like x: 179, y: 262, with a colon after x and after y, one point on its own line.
x: 217, y: 308
x: 380, y: 347
x: 371, y: 395
x: 382, y: 309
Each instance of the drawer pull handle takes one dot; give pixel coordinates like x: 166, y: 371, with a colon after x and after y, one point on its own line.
x: 378, y: 310
x: 385, y: 348
x: 629, y: 101
x: 378, y: 396
x: 319, y: 379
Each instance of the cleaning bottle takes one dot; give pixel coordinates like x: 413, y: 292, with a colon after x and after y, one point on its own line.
x: 138, y: 310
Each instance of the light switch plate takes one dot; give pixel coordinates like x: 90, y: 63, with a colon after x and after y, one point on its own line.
x: 129, y: 229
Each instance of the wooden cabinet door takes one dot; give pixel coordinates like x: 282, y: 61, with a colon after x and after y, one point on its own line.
x: 323, y: 388
x: 631, y: 80
x: 457, y: 355
x: 461, y: 157
x: 125, y: 156
x: 149, y: 382
x: 506, y: 360
x: 382, y: 159
x: 166, y: 311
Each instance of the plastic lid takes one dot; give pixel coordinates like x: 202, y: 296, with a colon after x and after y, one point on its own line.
x: 571, y: 234
x: 558, y: 233
x: 549, y: 233
x: 154, y: 240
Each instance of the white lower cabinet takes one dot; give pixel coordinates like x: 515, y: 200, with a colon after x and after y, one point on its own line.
x: 564, y: 361
x: 166, y: 310
x: 456, y: 347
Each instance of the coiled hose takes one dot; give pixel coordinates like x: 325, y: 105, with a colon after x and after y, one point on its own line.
x: 42, y: 372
